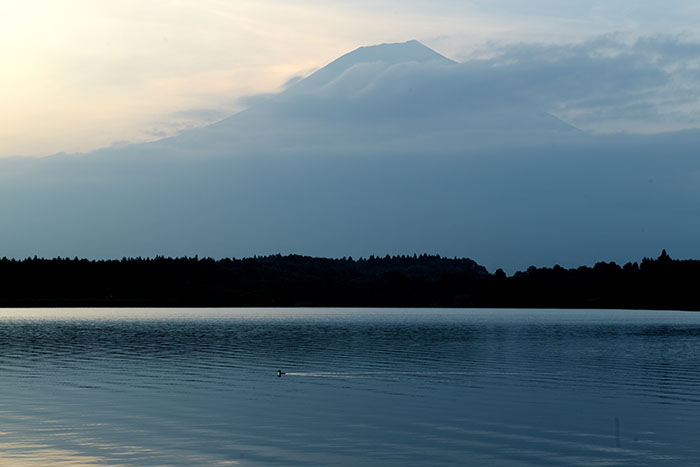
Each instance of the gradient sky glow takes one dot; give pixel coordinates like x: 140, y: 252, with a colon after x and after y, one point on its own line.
x: 82, y: 74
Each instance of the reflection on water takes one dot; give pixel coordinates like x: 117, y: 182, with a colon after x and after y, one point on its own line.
x: 378, y: 387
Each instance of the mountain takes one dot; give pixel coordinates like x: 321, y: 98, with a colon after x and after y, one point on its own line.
x: 379, y: 56
x: 390, y: 149
x: 377, y: 97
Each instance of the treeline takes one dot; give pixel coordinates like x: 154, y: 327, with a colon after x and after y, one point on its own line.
x: 400, y: 281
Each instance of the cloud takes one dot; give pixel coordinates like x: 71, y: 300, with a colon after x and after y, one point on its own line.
x: 183, y: 120
x: 203, y: 115
x: 607, y: 82
x: 293, y: 80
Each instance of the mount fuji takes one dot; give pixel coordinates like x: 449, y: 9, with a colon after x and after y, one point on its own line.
x: 391, y: 95
x: 390, y: 149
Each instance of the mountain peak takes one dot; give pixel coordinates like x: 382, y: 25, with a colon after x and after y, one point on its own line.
x: 386, y: 54
x: 398, y: 52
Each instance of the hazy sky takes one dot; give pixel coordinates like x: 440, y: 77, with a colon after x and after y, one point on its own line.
x: 82, y: 74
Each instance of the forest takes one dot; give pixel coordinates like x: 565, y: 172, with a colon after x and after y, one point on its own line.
x: 302, y: 281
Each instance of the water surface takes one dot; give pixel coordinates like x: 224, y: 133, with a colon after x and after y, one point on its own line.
x: 369, y: 386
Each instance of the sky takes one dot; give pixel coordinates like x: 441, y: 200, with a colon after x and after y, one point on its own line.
x: 83, y: 74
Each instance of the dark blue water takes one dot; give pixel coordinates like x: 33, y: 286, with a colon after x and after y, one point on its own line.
x: 363, y: 387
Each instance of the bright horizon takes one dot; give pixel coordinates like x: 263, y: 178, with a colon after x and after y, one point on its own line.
x: 79, y: 75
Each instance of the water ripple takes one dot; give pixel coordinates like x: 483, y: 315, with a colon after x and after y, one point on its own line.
x: 377, y: 387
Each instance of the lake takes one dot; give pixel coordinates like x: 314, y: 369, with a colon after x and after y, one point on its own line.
x: 389, y: 387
